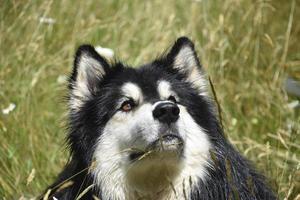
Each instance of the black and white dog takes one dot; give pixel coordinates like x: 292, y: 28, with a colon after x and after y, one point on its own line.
x: 149, y: 133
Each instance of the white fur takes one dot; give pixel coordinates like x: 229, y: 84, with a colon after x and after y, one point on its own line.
x: 87, y: 68
x: 133, y: 91
x: 121, y: 180
x: 186, y: 61
x: 164, y: 90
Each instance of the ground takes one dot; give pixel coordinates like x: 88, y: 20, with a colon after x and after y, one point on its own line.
x: 248, y: 49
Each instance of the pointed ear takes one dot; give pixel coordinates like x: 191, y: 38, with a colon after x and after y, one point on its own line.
x: 89, y: 69
x: 184, y: 59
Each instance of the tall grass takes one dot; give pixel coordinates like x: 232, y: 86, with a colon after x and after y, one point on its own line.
x: 247, y: 48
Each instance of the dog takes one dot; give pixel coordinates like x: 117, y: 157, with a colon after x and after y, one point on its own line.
x: 150, y: 133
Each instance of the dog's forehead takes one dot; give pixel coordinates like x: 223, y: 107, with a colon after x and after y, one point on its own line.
x: 144, y: 85
x: 132, y: 90
x: 140, y: 93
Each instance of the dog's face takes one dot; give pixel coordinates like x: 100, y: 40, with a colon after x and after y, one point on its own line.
x: 143, y: 128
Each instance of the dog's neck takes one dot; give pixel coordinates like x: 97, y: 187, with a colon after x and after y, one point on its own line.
x: 154, y: 186
x: 154, y: 180
x: 179, y: 189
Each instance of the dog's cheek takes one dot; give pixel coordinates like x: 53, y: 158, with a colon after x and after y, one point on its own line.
x: 119, y: 118
x: 119, y: 127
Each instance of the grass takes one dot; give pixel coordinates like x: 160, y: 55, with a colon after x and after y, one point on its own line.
x: 247, y: 47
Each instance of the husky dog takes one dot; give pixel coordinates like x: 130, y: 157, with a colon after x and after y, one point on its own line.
x: 149, y: 133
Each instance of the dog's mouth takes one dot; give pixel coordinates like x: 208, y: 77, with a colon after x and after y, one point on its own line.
x: 169, y: 143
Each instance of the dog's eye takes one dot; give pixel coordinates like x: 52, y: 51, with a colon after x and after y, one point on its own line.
x: 127, y: 106
x: 172, y: 98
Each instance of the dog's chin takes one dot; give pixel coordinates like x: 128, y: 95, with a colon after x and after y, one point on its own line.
x: 166, y: 146
x: 152, y: 170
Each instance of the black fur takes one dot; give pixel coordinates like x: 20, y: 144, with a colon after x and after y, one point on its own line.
x: 233, y: 176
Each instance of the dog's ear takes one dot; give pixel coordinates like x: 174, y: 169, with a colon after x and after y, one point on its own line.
x: 184, y: 59
x: 89, y: 69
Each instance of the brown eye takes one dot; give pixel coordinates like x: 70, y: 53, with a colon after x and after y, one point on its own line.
x: 127, y: 106
x: 172, y: 98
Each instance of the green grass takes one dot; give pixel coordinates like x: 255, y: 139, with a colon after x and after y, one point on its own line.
x: 247, y: 48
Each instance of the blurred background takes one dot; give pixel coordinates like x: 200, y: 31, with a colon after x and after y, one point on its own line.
x: 250, y: 49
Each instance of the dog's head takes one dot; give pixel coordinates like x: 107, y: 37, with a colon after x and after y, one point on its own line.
x: 142, y: 128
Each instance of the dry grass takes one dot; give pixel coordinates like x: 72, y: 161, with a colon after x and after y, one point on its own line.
x: 247, y: 47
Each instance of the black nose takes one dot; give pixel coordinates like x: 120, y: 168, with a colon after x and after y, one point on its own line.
x: 166, y: 112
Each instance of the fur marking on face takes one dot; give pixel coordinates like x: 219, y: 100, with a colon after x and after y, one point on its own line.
x: 131, y: 90
x: 164, y: 90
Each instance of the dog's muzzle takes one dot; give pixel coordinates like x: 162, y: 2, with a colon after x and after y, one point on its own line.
x: 169, y: 143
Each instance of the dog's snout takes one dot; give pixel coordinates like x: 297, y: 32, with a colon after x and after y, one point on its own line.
x: 166, y: 112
